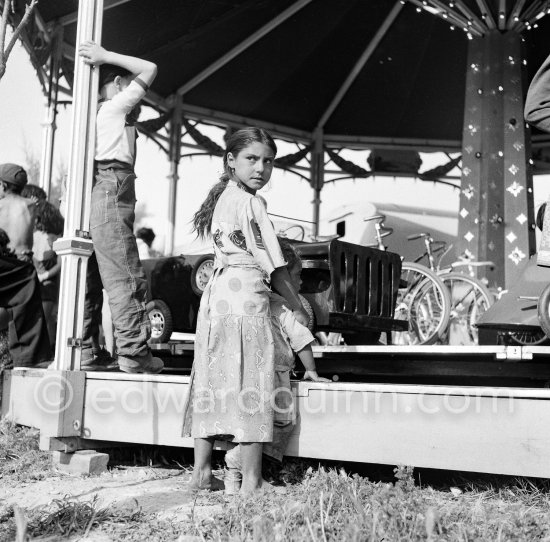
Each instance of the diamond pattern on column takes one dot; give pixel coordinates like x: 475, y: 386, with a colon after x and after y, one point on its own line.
x: 511, y: 237
x: 518, y: 146
x: 513, y: 169
x: 469, y: 149
x: 466, y: 171
x: 469, y: 192
x: 464, y: 213
x: 491, y: 246
x: 515, y: 188
x: 521, y: 219
x: 516, y: 255
x: 469, y: 236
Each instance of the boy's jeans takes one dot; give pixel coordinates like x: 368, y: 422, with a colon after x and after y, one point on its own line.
x: 112, y: 229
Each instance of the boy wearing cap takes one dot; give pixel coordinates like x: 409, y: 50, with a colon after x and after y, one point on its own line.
x: 16, y: 212
x: 124, y: 81
x: 19, y: 286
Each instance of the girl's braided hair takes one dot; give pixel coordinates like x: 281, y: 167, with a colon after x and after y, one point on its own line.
x: 202, y: 220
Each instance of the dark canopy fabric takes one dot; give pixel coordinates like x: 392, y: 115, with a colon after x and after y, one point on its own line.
x: 411, y: 87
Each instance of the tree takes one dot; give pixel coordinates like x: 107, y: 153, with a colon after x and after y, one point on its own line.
x: 32, y: 167
x: 5, y: 52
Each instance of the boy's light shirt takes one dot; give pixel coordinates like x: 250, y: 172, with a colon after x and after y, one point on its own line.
x: 114, y: 139
x: 289, y: 335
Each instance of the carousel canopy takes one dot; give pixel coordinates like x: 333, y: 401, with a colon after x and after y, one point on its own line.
x: 373, y: 73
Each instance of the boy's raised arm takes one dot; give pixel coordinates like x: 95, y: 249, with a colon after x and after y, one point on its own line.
x: 92, y: 53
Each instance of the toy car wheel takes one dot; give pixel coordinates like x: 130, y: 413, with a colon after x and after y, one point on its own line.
x: 202, y: 271
x: 161, y: 321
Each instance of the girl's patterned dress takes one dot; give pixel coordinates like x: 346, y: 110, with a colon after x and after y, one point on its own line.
x: 232, y: 380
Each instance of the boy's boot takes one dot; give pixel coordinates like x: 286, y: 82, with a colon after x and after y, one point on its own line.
x: 140, y: 364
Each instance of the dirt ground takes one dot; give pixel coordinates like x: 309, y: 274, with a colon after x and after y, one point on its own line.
x: 158, y: 492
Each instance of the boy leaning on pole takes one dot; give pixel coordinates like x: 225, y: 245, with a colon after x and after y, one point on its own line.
x: 124, y: 80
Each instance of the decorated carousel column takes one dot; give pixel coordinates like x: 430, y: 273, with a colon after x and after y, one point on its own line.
x: 317, y: 176
x: 174, y: 153
x: 519, y: 223
x: 48, y: 138
x: 76, y: 246
x: 495, y: 214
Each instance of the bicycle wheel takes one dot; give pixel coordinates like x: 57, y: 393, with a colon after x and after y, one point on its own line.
x: 470, y: 298
x: 425, y: 302
x: 544, y: 310
x: 526, y: 338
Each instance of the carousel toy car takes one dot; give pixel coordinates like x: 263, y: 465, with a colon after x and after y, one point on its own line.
x: 521, y: 316
x: 348, y: 289
x: 175, y: 285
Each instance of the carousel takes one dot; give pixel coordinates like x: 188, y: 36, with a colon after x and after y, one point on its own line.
x: 428, y: 368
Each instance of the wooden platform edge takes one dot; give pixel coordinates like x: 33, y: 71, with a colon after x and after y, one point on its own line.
x: 479, y: 429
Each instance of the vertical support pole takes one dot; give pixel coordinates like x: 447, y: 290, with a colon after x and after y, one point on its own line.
x: 48, y: 137
x: 174, y: 157
x: 317, y: 177
x: 496, y: 207
x: 518, y: 179
x: 469, y: 226
x: 75, y: 247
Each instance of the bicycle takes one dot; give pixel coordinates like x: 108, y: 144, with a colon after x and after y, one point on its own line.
x: 423, y: 299
x: 470, y: 298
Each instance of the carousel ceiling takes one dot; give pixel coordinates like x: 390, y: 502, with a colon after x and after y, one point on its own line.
x: 365, y: 71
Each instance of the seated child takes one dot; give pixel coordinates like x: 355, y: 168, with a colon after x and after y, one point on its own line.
x: 48, y: 227
x: 5, y: 357
x: 289, y: 337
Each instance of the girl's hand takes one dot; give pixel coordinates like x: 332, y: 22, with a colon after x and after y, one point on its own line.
x: 92, y: 53
x: 301, y: 316
x: 312, y: 375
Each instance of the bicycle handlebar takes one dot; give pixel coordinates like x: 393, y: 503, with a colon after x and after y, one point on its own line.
x: 415, y: 236
x: 381, y: 218
x: 473, y: 264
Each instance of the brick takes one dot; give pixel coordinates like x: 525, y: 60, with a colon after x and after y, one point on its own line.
x: 81, y: 462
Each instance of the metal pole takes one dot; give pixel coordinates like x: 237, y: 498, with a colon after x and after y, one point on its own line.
x: 174, y: 155
x: 238, y: 49
x: 317, y: 177
x: 486, y: 13
x: 359, y: 65
x: 76, y: 246
x: 50, y: 126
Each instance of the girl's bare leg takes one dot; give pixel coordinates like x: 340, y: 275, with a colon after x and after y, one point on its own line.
x: 251, y: 457
x: 202, y: 471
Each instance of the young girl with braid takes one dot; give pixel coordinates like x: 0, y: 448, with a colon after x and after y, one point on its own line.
x: 233, y: 371
x: 291, y: 338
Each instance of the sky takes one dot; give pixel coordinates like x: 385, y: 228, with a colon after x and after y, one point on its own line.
x: 22, y: 112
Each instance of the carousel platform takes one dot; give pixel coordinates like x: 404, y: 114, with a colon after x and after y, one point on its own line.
x: 497, y: 428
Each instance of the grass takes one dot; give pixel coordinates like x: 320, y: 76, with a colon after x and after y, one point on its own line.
x: 20, y: 458
x: 321, y: 502
x: 63, y: 518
